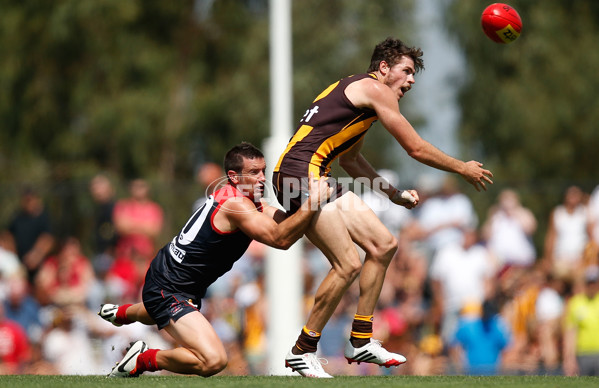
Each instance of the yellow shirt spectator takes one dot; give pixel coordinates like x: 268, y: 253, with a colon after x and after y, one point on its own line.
x: 583, y: 315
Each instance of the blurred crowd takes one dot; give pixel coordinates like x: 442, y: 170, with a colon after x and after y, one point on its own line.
x: 461, y: 296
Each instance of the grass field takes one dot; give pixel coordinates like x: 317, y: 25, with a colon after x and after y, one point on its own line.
x: 282, y: 382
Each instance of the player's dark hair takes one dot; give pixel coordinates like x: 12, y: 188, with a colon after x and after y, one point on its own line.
x: 391, y: 50
x: 234, y: 157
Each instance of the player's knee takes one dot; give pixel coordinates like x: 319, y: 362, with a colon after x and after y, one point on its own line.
x: 391, y: 248
x: 215, y: 364
x: 384, y: 250
x: 210, y: 362
x: 351, y: 269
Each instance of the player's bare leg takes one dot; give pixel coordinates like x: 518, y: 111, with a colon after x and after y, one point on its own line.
x: 329, y: 234
x: 327, y: 225
x: 380, y: 247
x: 378, y: 243
x: 334, y: 231
x: 201, y: 352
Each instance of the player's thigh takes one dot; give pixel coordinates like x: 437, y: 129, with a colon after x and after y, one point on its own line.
x: 363, y: 225
x: 194, y: 332
x: 329, y: 233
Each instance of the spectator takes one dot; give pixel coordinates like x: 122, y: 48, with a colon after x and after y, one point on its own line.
x: 66, y: 277
x: 251, y: 299
x: 138, y: 221
x: 66, y: 335
x: 429, y: 357
x: 520, y: 290
x: 20, y: 306
x: 509, y: 229
x: 105, y: 236
x: 581, y: 336
x: 594, y: 215
x: 210, y: 177
x: 124, y: 279
x: 14, y: 346
x: 9, y: 264
x: 549, y: 309
x: 31, y: 231
x: 443, y: 217
x: 567, y: 235
x: 461, y: 273
x: 591, y: 253
x: 482, y: 335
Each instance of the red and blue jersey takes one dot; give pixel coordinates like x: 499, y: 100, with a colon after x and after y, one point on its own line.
x: 200, y: 253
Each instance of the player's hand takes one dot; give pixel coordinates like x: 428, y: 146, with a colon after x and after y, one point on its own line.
x: 406, y: 198
x: 476, y: 175
x: 319, y: 190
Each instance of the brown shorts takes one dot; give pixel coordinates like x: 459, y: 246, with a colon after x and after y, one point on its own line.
x: 292, y: 191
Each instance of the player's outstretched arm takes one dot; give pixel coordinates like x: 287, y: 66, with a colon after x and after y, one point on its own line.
x: 374, y: 95
x: 263, y: 228
x: 428, y: 154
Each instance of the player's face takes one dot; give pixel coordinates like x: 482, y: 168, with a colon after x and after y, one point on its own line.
x: 252, y: 178
x: 401, y: 76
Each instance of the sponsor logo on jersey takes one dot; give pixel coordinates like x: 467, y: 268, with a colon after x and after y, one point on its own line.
x: 177, y: 253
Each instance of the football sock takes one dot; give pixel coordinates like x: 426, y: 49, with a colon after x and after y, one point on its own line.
x: 146, y: 362
x: 306, y: 342
x: 121, y: 315
x: 361, y: 330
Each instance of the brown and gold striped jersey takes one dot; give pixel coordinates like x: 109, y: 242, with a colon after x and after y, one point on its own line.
x: 330, y: 127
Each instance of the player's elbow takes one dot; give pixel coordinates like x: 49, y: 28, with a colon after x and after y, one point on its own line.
x: 414, y: 149
x: 282, y: 244
x: 418, y: 153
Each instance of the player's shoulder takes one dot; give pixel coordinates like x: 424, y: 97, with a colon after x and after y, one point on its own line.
x: 367, y: 92
x: 227, y: 192
x: 359, y: 77
x: 230, y: 197
x: 362, y: 79
x: 375, y: 90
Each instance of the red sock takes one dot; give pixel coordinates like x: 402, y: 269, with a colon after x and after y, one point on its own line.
x: 146, y: 362
x: 121, y: 315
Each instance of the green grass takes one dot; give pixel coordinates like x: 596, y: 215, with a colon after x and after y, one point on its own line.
x: 281, y: 382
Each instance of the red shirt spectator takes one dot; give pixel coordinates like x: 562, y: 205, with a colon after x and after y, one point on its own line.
x: 14, y: 346
x: 66, y: 277
x: 138, y: 221
x: 126, y: 276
